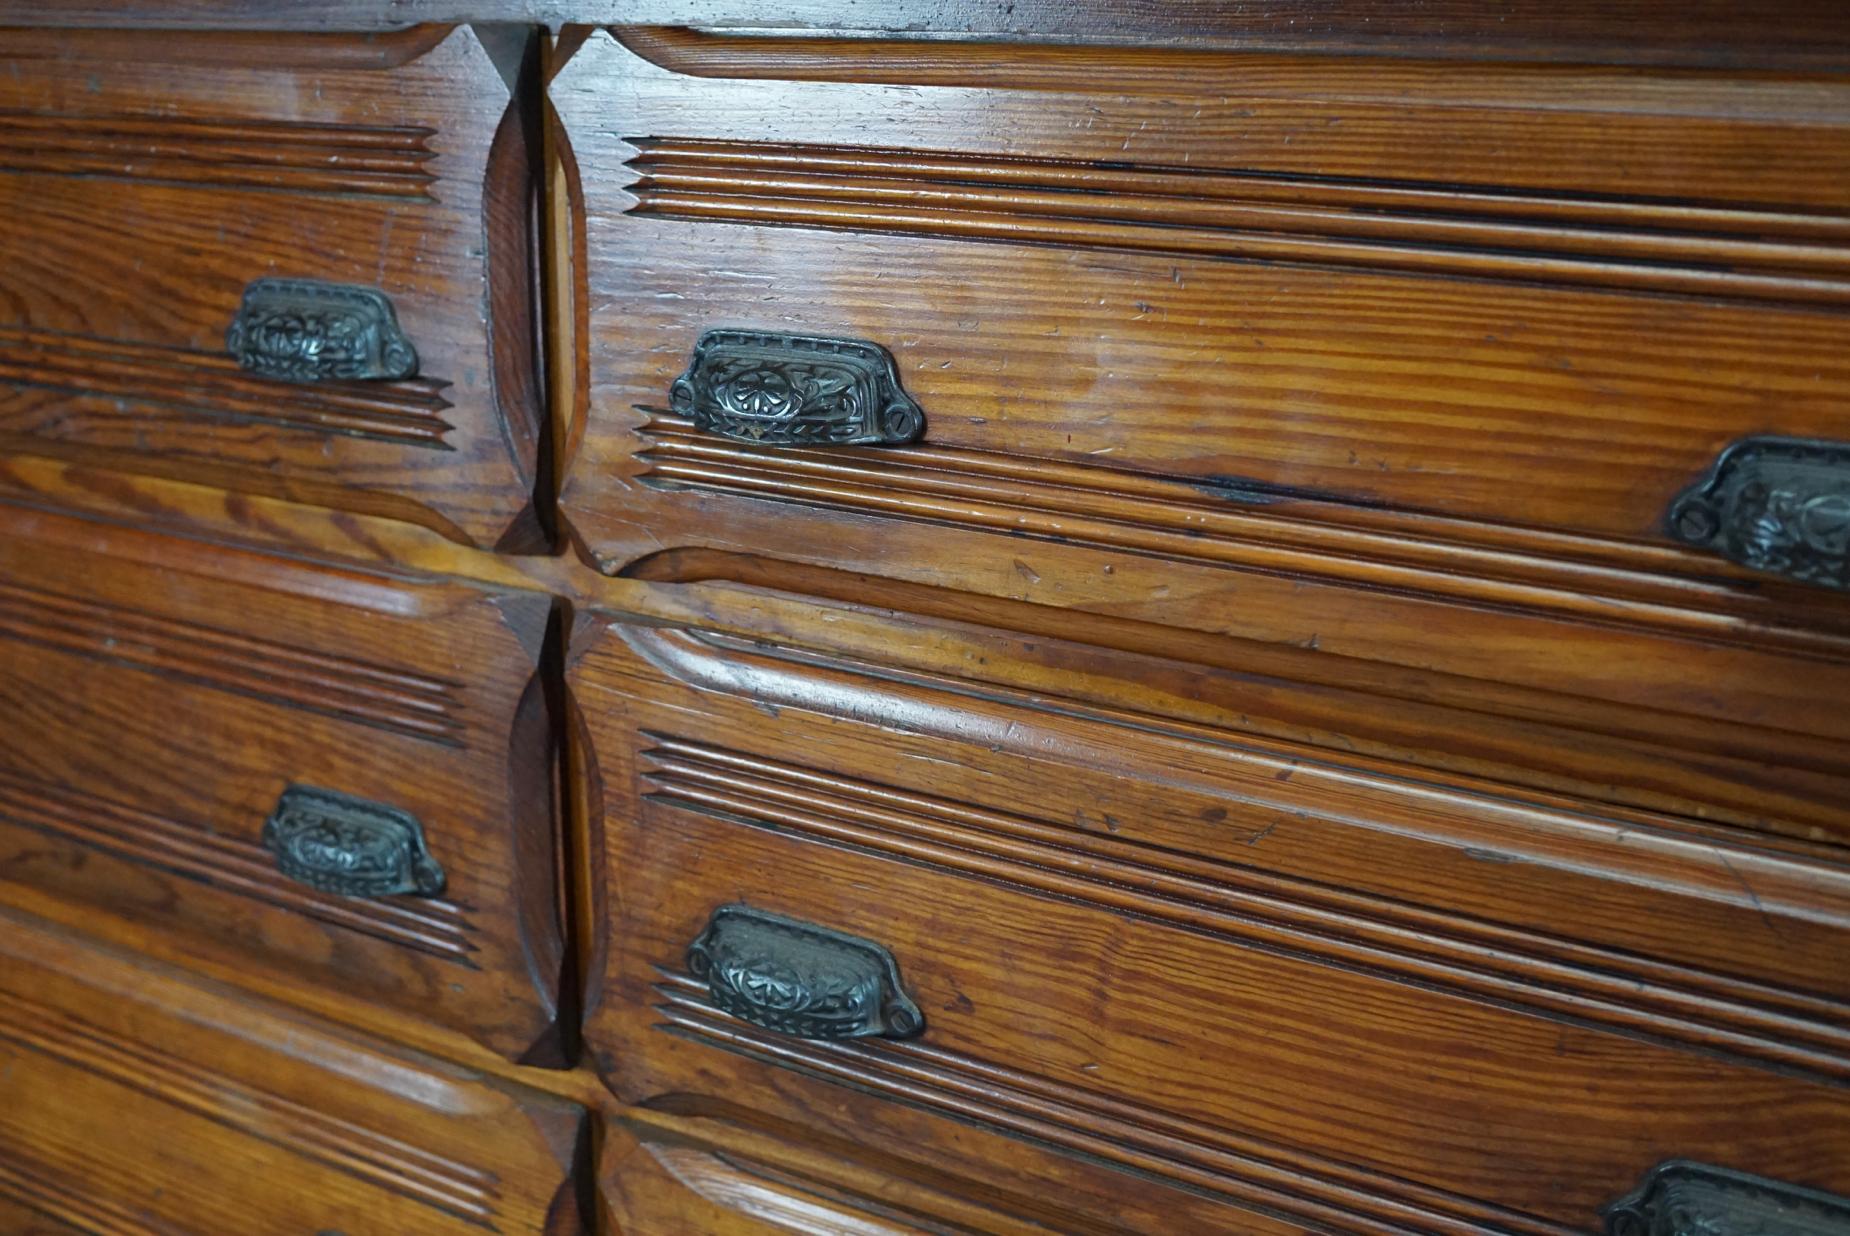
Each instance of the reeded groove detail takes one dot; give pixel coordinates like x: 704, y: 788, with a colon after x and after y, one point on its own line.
x: 381, y: 1161
x: 1613, y: 583
x: 340, y: 687
x: 210, y: 384
x: 1634, y: 245
x: 1325, y: 1193
x: 62, y: 1193
x: 372, y: 160
x: 438, y: 929
x: 1248, y: 908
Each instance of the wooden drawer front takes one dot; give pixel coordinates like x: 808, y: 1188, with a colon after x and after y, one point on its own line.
x: 137, y: 1103
x: 1345, y: 994
x: 147, y: 179
x: 160, y: 714
x: 1199, y: 340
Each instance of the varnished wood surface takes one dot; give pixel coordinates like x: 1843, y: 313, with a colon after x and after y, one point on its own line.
x: 161, y: 710
x: 1299, y: 781
x: 137, y: 1101
x: 1792, y: 34
x: 1359, y: 1001
x: 1478, y: 399
x: 143, y: 186
x: 1403, y: 433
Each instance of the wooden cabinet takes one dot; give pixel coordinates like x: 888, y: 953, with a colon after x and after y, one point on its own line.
x: 1089, y: 618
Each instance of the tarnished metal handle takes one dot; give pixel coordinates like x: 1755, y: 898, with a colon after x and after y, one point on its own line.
x: 303, y: 330
x: 1681, y: 1198
x: 1780, y: 505
x: 795, y: 390
x: 800, y: 979
x: 352, y: 846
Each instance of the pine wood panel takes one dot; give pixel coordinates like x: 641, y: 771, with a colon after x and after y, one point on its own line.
x: 137, y: 1102
x: 1335, y: 992
x: 1792, y: 34
x: 1366, y: 360
x: 165, y: 694
x: 144, y: 184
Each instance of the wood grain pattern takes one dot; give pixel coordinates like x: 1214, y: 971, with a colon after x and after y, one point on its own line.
x: 1709, y: 770
x: 1636, y: 244
x: 1427, y: 395
x: 140, y: 193
x: 161, y: 710
x: 122, y: 378
x: 237, y: 865
x: 689, y: 1167
x: 1444, y: 452
x: 1490, y: 1023
x: 1301, y: 783
x: 143, y: 1103
x: 1789, y: 34
x: 1206, y: 897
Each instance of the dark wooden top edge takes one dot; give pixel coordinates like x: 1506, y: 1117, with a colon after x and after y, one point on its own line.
x: 1775, y: 35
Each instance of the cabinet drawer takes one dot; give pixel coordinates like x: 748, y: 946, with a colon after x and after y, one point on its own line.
x: 149, y: 180
x: 339, y: 784
x: 1433, y: 1004
x: 138, y: 1103
x: 1361, y: 357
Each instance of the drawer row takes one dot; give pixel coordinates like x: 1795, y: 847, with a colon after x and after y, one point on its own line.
x: 1365, y: 360
x: 963, y: 902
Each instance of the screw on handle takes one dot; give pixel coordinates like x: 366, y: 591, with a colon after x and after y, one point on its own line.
x: 303, y: 330
x: 1778, y: 505
x: 800, y: 979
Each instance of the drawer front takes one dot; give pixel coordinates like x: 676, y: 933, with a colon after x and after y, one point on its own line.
x: 1364, y: 358
x: 138, y: 1103
x: 339, y: 785
x: 148, y: 182
x: 1425, y: 1003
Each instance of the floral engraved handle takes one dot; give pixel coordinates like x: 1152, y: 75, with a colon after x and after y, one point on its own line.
x: 795, y: 390
x: 303, y: 330
x: 1780, y: 505
x: 800, y: 979
x: 1682, y: 1198
x: 351, y: 846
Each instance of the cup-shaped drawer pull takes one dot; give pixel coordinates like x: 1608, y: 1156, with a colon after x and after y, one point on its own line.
x: 795, y: 390
x: 800, y: 979
x: 1681, y: 1198
x: 303, y: 330
x: 351, y: 846
x: 1780, y: 505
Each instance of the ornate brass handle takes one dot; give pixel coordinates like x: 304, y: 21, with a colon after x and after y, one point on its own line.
x: 1680, y: 1198
x: 302, y: 330
x: 801, y: 979
x: 795, y: 390
x: 347, y: 845
x: 1774, y: 504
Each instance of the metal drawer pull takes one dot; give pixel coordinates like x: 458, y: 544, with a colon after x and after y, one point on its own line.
x: 351, y: 846
x: 800, y: 979
x: 1680, y: 1198
x: 795, y: 390
x: 303, y: 330
x: 1780, y: 505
